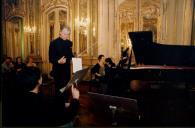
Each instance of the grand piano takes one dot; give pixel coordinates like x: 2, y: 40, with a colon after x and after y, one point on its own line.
x: 151, y: 53
x: 159, y: 62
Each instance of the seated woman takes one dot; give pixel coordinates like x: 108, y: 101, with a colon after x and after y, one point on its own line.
x: 99, y: 72
x: 99, y: 69
x: 19, y: 65
x: 29, y: 106
x: 30, y: 62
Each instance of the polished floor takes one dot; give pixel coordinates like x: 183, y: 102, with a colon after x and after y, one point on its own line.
x: 168, y: 106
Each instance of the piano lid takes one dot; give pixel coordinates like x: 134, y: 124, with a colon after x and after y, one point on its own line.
x: 149, y: 53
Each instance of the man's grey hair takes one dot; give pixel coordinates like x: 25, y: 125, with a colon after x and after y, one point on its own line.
x: 65, y: 29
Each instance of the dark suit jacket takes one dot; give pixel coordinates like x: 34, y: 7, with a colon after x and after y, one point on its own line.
x: 59, y: 48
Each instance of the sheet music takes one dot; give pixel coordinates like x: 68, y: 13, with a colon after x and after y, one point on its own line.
x: 77, y: 64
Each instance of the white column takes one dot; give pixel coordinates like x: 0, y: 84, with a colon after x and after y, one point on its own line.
x: 111, y: 28
x: 103, y: 24
x: 107, y: 29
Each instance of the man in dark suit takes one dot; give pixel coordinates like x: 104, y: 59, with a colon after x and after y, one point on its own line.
x: 60, y: 55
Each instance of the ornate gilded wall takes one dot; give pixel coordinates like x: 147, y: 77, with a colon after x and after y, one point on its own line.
x: 169, y: 20
x: 97, y: 26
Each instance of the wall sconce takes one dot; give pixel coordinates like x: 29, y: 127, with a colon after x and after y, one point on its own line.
x: 29, y: 29
x: 84, y: 22
x: 83, y: 25
x: 94, y: 31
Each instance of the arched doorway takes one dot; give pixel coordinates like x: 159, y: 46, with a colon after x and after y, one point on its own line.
x: 52, y: 19
x: 138, y: 15
x: 127, y: 22
x: 55, y: 19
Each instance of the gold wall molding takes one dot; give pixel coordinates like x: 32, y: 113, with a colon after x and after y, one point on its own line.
x: 14, y: 10
x: 46, y: 4
x: 98, y: 26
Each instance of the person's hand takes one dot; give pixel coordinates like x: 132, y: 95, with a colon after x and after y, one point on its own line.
x: 19, y: 69
x: 62, y: 60
x: 75, y: 92
x: 97, y: 74
x: 11, y: 65
x: 125, y: 58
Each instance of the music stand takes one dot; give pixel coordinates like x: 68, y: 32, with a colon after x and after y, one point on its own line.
x: 117, y: 111
x: 77, y: 77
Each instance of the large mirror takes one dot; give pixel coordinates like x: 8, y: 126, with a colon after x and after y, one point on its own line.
x: 138, y: 15
x: 14, y: 38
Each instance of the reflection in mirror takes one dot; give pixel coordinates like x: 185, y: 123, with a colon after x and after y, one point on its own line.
x: 150, y: 25
x: 62, y: 18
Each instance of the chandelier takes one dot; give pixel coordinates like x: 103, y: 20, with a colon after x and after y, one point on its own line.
x: 29, y: 29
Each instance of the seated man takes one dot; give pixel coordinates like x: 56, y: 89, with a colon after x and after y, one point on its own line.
x: 30, y: 108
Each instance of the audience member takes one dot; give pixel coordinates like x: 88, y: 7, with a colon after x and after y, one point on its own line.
x: 29, y: 108
x: 7, y: 66
x: 19, y: 65
x: 30, y: 62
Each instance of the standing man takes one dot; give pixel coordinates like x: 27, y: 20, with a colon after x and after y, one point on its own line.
x: 60, y: 55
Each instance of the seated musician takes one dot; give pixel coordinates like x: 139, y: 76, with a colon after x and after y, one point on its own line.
x: 30, y: 62
x: 124, y: 58
x: 109, y: 73
x: 99, y: 69
x: 30, y: 107
x: 99, y: 72
x: 7, y: 66
x: 109, y: 63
